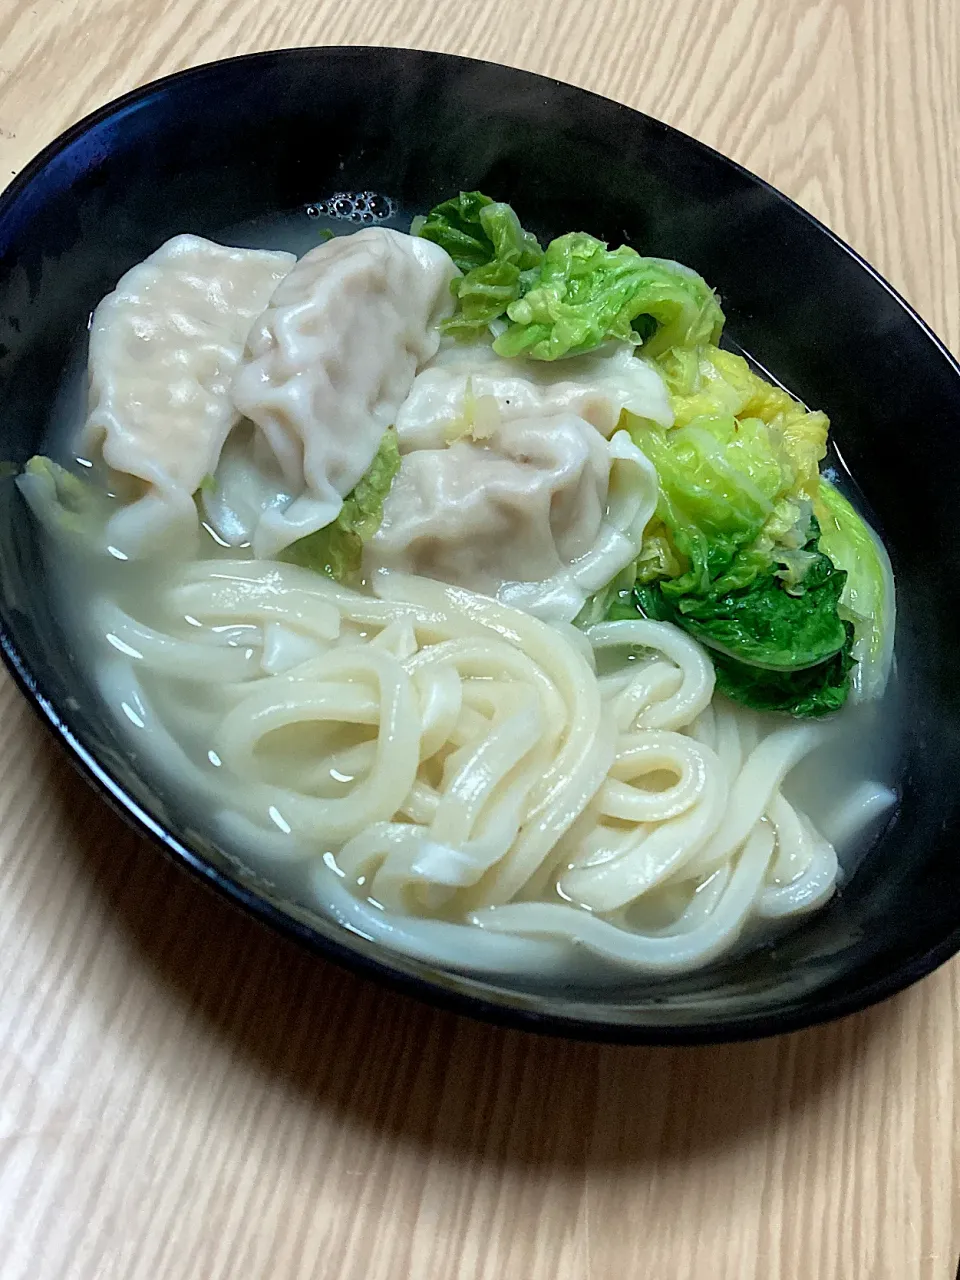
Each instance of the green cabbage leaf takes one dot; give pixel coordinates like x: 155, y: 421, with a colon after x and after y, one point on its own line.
x: 336, y: 550
x: 868, y: 599
x: 497, y: 257
x: 585, y: 294
x: 65, y: 504
x: 734, y: 554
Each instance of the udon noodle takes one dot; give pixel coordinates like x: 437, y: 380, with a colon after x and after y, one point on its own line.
x: 467, y: 764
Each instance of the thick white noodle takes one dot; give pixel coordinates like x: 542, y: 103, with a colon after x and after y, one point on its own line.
x: 457, y: 780
x: 669, y: 953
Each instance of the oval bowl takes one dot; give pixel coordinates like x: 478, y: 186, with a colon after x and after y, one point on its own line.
x: 245, y: 139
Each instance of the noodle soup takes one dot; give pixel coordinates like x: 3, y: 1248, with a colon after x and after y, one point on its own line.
x: 474, y: 594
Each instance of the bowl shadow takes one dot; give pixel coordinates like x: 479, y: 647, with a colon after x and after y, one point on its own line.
x: 424, y: 1076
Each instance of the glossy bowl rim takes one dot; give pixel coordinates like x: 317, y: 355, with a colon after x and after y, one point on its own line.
x: 810, y: 1011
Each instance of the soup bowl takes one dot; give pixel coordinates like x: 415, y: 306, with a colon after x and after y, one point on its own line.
x: 240, y: 142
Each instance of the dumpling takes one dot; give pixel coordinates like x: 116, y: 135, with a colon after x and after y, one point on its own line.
x: 596, y: 387
x: 164, y: 347
x: 541, y: 515
x: 330, y: 362
x: 247, y: 483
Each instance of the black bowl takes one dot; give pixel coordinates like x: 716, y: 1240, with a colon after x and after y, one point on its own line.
x: 237, y: 141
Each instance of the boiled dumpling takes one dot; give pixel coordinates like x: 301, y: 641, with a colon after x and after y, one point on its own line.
x: 247, y: 483
x: 596, y: 387
x: 164, y: 347
x: 330, y: 362
x: 541, y: 514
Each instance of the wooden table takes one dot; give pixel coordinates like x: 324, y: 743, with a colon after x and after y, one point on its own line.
x: 183, y: 1096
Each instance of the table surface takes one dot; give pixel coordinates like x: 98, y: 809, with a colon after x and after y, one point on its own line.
x: 183, y: 1096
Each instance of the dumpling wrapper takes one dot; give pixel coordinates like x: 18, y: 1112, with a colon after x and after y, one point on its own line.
x: 330, y: 362
x: 597, y: 387
x: 541, y: 515
x: 247, y: 482
x: 164, y: 347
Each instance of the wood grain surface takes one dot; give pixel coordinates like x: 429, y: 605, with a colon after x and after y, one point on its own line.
x: 183, y: 1096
